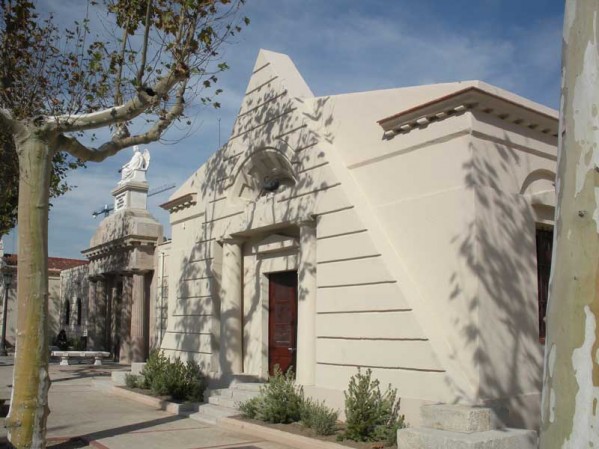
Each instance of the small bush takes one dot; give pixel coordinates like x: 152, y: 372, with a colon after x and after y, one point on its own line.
x: 132, y: 381
x: 280, y: 400
x: 249, y: 408
x: 318, y: 417
x: 370, y: 414
x: 195, y: 382
x: 154, y: 368
x: 179, y: 380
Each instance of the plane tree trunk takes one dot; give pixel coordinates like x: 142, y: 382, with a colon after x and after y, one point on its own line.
x: 570, y: 405
x: 29, y: 403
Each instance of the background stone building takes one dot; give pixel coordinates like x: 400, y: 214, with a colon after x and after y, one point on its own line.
x: 67, y: 299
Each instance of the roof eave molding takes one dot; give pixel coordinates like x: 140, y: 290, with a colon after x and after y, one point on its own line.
x: 182, y: 202
x: 471, y: 98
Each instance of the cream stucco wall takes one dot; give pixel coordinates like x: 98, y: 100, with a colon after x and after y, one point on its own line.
x: 424, y: 262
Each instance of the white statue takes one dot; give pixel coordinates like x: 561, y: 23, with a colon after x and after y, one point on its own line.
x: 139, y: 161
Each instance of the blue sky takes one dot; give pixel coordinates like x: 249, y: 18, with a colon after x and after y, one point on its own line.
x: 339, y: 46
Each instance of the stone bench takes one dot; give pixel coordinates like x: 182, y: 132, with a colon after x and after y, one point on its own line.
x: 66, y: 355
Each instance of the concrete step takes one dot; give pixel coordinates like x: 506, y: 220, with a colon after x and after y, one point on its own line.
x: 420, y: 438
x: 224, y: 392
x: 231, y: 393
x: 459, y: 418
x: 246, y: 378
x: 248, y: 387
x: 210, y: 413
x: 223, y: 401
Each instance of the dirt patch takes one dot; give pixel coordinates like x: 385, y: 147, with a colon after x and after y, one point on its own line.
x: 298, y: 429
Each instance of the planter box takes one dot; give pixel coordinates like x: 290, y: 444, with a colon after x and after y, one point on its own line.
x: 278, y: 436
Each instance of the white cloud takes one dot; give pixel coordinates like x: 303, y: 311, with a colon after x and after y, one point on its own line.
x: 338, y: 46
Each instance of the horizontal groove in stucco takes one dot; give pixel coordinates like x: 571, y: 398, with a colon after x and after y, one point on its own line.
x: 187, y: 332
x: 269, y: 99
x: 341, y: 234
x: 341, y: 337
x: 357, y: 284
x: 370, y: 256
x: 336, y: 312
x: 318, y: 190
x: 186, y: 350
x: 291, y: 131
x: 260, y: 86
x: 428, y: 143
x: 264, y: 123
x: 402, y: 368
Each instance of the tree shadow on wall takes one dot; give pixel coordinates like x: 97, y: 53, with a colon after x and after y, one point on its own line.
x: 276, y: 134
x: 498, y: 323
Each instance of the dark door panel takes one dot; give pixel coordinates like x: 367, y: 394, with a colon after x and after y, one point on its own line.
x: 282, y: 320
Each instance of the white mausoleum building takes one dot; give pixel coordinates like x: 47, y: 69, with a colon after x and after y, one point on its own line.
x: 405, y: 230
x: 394, y: 230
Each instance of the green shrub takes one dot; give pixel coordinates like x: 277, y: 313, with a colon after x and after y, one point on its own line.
x: 249, y: 408
x: 195, y: 382
x: 179, y: 380
x: 132, y: 381
x: 154, y: 368
x: 280, y: 400
x: 370, y: 414
x: 319, y: 417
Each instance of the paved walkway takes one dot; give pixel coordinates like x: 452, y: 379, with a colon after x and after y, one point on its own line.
x: 79, y: 410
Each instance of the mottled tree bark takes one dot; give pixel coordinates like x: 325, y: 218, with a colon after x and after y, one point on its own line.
x: 570, y: 406
x: 29, y: 410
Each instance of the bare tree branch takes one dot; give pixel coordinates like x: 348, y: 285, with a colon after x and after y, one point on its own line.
x: 7, y: 122
x: 72, y: 146
x: 131, y: 109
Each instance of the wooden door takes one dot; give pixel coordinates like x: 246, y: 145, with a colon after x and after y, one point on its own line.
x: 282, y: 320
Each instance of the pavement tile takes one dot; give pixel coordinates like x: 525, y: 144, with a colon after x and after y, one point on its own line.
x: 92, y: 418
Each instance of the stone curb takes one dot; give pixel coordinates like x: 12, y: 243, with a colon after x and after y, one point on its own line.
x: 170, y: 407
x: 267, y: 433
x: 278, y: 436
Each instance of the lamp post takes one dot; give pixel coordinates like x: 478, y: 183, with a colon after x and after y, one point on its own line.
x: 6, y: 281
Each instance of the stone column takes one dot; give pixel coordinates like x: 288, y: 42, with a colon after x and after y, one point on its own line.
x: 124, y: 319
x: 91, y: 317
x: 101, y: 318
x: 306, y: 305
x: 138, y: 319
x: 231, y: 357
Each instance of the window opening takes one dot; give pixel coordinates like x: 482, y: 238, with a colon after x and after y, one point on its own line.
x: 544, y: 239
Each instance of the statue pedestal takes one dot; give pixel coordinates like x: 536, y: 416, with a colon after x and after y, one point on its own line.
x: 133, y: 193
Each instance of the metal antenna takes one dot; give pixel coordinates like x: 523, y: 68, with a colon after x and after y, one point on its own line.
x: 105, y: 210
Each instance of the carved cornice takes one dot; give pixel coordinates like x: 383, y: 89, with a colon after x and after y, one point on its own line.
x: 127, y: 243
x: 182, y: 202
x: 470, y: 99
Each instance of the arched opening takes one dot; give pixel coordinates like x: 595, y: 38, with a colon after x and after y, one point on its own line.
x: 265, y: 171
x: 79, y: 311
